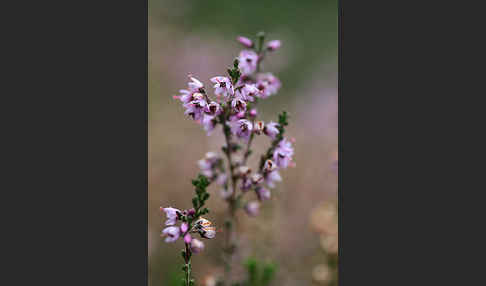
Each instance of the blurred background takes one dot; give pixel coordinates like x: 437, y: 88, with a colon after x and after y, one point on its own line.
x: 297, y: 228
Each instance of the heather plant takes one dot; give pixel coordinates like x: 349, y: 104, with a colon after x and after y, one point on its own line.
x: 233, y: 106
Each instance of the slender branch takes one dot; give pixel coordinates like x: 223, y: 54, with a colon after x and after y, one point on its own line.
x: 187, y: 267
x: 229, y: 226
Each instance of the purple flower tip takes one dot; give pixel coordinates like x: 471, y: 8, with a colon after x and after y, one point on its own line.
x: 184, y: 227
x: 273, y: 45
x: 187, y: 238
x: 245, y: 41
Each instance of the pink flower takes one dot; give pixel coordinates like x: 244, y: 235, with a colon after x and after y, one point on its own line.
x: 271, y: 130
x: 268, y: 85
x: 213, y: 108
x: 172, y: 233
x: 185, y: 96
x: 195, y: 108
x: 249, y: 91
x: 238, y: 105
x: 222, y: 86
x: 245, y: 41
x: 237, y: 116
x: 209, y: 122
x: 262, y: 193
x: 241, y: 128
x: 283, y: 153
x: 195, y: 85
x: 197, y: 245
x: 248, y: 62
x: 171, y: 214
x: 273, y: 45
x: 271, y: 178
x: 252, y: 208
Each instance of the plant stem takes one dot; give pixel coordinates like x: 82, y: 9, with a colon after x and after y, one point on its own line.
x: 229, y: 226
x: 187, y: 259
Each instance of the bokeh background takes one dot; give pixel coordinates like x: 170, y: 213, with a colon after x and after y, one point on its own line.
x: 198, y: 37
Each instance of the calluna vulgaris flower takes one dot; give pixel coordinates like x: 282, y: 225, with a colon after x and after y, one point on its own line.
x: 252, y: 208
x: 172, y: 233
x: 273, y: 45
x: 271, y: 129
x: 248, y: 62
x: 283, y: 153
x: 171, y: 214
x: 223, y: 86
x: 245, y: 41
x: 233, y: 107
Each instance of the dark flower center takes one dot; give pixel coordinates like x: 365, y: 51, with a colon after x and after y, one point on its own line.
x: 222, y: 84
x: 244, y: 127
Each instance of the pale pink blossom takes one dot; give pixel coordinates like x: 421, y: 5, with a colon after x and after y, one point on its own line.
x: 172, y: 215
x: 172, y: 233
x: 248, y: 61
x: 222, y: 86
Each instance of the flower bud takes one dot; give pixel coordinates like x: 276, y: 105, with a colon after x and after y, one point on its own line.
x: 258, y: 127
x: 191, y: 211
x: 256, y: 178
x: 253, y: 113
x: 187, y: 238
x: 184, y: 227
x: 244, y: 171
x: 197, y: 245
x: 269, y: 166
x: 245, y: 41
x: 252, y: 208
x: 274, y: 45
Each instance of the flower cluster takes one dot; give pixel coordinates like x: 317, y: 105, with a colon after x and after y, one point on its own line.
x: 172, y: 232
x: 191, y: 222
x: 232, y: 104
